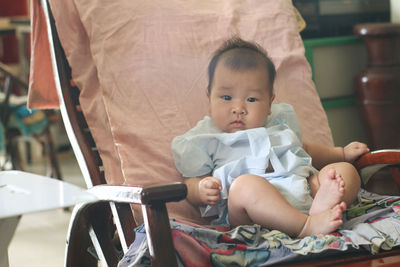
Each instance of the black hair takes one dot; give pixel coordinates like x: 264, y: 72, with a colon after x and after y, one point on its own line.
x: 243, y: 55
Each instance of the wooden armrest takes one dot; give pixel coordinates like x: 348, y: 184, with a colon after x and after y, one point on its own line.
x: 140, y: 195
x: 166, y: 193
x: 386, y: 157
x: 372, y: 162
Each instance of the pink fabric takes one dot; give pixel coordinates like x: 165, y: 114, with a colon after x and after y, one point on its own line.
x: 84, y: 72
x: 141, y: 67
x: 42, y: 91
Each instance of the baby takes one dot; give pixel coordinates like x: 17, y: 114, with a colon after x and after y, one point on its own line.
x: 246, y: 164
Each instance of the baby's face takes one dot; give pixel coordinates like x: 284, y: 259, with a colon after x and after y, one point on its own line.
x: 240, y: 99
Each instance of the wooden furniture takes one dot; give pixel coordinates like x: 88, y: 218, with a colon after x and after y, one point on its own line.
x: 378, y: 86
x: 91, y: 224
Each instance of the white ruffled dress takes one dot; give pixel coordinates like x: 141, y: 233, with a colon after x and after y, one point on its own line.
x: 206, y: 149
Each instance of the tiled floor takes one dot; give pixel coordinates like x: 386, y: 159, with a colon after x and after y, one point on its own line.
x: 40, y: 237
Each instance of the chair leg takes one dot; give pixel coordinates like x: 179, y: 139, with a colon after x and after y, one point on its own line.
x: 91, y: 226
x: 158, y: 228
x: 52, y: 154
x: 13, y: 150
x: 103, y: 228
x: 77, y: 245
x: 28, y: 148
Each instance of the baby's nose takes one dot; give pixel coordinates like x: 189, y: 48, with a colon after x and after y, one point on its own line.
x: 238, y: 110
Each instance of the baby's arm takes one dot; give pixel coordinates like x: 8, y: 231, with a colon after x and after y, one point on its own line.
x: 323, y: 155
x: 203, y: 190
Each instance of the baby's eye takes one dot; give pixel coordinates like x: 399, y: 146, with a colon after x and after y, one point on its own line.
x: 226, y: 97
x: 251, y: 99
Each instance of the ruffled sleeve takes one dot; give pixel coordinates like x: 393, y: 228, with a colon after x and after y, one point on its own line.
x: 193, y: 152
x: 284, y: 114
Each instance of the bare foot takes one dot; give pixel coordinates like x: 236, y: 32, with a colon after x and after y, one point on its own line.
x: 324, y: 222
x: 330, y: 193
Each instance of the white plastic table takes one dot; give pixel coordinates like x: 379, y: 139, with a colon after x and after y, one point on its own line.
x: 22, y: 193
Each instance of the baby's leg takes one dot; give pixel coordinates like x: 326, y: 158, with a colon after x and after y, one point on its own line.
x: 252, y: 199
x: 335, y: 183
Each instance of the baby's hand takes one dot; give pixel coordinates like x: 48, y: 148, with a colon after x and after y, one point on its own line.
x: 353, y: 150
x: 209, y: 188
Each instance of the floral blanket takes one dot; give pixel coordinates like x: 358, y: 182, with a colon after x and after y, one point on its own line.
x: 373, y: 223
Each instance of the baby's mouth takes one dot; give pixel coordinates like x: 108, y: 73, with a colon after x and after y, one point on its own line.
x: 237, y: 123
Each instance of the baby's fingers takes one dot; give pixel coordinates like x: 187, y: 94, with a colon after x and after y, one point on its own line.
x: 213, y: 183
x: 212, y: 192
x: 359, y: 146
x: 212, y: 200
x: 362, y: 148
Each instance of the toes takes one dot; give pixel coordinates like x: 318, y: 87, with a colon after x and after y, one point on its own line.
x: 341, y: 207
x: 340, y: 181
x: 341, y: 187
x: 339, y: 178
x: 338, y: 210
x: 331, y: 173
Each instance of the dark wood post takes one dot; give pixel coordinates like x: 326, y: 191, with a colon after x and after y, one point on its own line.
x: 378, y: 86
